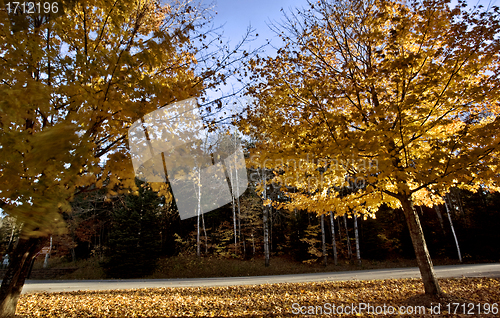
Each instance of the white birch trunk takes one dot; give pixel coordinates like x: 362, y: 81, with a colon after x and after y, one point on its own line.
x: 198, y: 212
x: 448, y: 210
x: 238, y: 195
x: 323, y: 240
x: 46, y: 260
x: 349, y: 249
x: 265, y: 220
x: 334, y: 243
x: 234, y: 224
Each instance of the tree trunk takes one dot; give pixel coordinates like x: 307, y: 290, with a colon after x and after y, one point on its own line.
x: 456, y: 194
x: 47, y: 256
x: 334, y: 243
x: 448, y: 210
x: 270, y: 227
x: 349, y: 249
x: 205, y: 233
x: 238, y: 196
x: 198, y: 251
x: 340, y: 229
x: 11, y: 240
x: 323, y: 240
x: 266, y: 236
x: 235, y: 231
x: 198, y: 212
x: 356, y: 234
x: 253, y: 245
x: 265, y: 219
x: 424, y: 261
x: 16, y: 274
x: 440, y: 217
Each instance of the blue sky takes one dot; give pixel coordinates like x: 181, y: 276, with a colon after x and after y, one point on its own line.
x: 237, y: 15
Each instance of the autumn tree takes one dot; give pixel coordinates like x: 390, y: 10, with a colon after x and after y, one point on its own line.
x: 70, y: 88
x: 401, y: 97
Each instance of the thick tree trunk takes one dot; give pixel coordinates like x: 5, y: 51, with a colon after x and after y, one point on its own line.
x: 334, y: 243
x: 323, y: 240
x: 16, y: 274
x: 424, y: 261
x: 356, y: 234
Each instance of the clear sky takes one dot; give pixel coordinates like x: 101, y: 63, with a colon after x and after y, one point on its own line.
x: 237, y: 15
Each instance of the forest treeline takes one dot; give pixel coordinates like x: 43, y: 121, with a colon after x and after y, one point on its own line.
x: 129, y: 233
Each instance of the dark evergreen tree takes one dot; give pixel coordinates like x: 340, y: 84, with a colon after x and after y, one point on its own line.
x: 134, y: 239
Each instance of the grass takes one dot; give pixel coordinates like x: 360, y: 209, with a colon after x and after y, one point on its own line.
x: 183, y: 266
x: 87, y: 268
x: 268, y: 300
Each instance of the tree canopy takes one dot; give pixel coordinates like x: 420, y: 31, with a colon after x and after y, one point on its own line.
x: 72, y: 86
x: 398, y: 100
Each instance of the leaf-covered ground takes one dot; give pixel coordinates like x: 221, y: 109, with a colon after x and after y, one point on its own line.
x: 272, y: 300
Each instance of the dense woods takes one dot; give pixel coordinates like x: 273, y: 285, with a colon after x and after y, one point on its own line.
x: 131, y: 232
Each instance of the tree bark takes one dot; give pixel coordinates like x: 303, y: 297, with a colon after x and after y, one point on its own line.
x: 198, y: 212
x: 440, y: 217
x: 424, y: 261
x: 238, y: 196
x: 323, y: 240
x: 349, y: 249
x: 205, y: 233
x: 265, y: 219
x: 47, y: 256
x: 356, y: 234
x: 266, y: 236
x: 456, y: 193
x: 448, y: 210
x: 334, y: 243
x: 16, y: 274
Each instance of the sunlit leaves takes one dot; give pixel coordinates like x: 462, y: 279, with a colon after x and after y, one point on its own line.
x: 411, y: 87
x: 69, y: 90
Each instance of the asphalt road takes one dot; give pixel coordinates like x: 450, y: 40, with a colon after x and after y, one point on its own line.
x: 474, y: 270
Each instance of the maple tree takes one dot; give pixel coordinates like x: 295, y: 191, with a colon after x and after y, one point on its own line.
x: 398, y: 100
x: 69, y: 89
